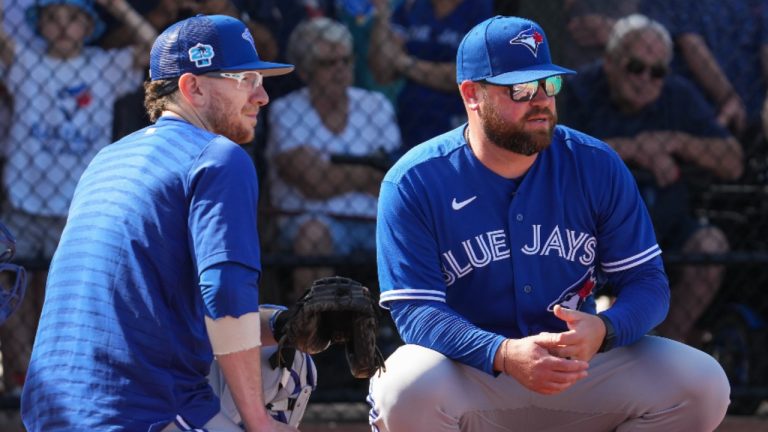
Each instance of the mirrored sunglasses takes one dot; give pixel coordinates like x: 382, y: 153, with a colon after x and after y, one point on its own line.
x: 250, y: 80
x: 638, y: 67
x: 524, y: 92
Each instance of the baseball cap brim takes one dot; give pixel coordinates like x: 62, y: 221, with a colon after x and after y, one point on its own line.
x: 268, y: 69
x: 533, y: 73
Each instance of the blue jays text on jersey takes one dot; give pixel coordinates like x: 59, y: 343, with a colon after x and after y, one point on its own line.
x: 492, y: 246
x: 501, y: 252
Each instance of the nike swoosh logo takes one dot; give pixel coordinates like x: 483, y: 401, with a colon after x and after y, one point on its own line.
x: 460, y: 205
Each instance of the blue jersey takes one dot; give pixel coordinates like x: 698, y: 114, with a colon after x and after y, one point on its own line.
x: 122, y: 343
x: 503, y: 252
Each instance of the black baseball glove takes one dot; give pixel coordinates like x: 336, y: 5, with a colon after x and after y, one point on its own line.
x: 334, y: 310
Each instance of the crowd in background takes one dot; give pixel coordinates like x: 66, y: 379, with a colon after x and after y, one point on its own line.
x: 677, y: 88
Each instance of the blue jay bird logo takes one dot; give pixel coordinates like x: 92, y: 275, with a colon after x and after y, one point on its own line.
x: 529, y: 38
x: 247, y: 36
x: 201, y: 55
x: 575, y: 295
x: 74, y: 98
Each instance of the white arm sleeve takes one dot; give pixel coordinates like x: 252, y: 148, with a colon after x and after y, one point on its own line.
x: 230, y: 335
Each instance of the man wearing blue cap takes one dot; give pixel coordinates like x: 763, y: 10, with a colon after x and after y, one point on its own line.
x: 491, y: 239
x: 158, y: 267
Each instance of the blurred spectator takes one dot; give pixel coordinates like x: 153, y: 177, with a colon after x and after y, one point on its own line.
x: 161, y: 13
x: 281, y: 17
x: 589, y: 24
x: 6, y: 111
x: 326, y: 207
x: 358, y: 16
x: 657, y: 123
x: 63, y: 105
x: 507, y: 7
x: 15, y: 23
x: 723, y: 47
x: 418, y: 42
x: 577, y: 30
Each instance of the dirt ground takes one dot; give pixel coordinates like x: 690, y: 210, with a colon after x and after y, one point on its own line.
x: 11, y: 423
x: 731, y: 424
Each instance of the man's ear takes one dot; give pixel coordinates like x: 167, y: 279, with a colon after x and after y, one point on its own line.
x: 470, y: 93
x: 192, y: 89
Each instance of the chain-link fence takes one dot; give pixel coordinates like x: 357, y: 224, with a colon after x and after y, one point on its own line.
x: 680, y: 98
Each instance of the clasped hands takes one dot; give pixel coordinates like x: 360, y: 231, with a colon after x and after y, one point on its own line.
x: 549, y: 363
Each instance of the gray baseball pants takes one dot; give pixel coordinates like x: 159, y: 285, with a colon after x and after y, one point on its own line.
x: 655, y: 384
x: 286, y: 391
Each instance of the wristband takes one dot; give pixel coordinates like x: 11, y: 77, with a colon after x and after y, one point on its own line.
x: 276, y: 311
x: 610, y: 335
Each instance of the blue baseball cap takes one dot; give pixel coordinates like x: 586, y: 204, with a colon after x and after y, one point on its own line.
x: 207, y: 43
x: 32, y: 15
x: 505, y: 50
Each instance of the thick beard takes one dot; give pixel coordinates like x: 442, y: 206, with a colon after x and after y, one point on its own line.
x: 512, y: 136
x: 224, y: 122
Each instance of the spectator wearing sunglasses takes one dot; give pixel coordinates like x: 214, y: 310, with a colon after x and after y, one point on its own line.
x: 589, y: 22
x: 491, y: 239
x: 721, y: 47
x: 663, y: 127
x: 326, y: 208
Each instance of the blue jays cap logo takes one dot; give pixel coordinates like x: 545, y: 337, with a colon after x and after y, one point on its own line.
x: 575, y: 295
x: 529, y: 38
x: 201, y: 55
x: 247, y: 36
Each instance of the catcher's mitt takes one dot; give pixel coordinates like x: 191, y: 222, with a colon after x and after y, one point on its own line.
x: 334, y: 310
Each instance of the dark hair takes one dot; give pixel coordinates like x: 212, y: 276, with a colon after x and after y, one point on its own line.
x: 157, y: 95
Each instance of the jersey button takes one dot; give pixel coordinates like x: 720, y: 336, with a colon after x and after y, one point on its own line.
x: 519, y: 217
x: 527, y: 289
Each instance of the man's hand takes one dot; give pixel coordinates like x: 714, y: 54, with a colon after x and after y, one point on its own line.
x: 732, y: 114
x: 528, y: 360
x: 584, y: 336
x: 656, y: 153
x: 665, y: 169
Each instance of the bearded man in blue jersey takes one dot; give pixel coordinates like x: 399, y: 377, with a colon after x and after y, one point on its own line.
x: 491, y: 240
x: 158, y: 268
